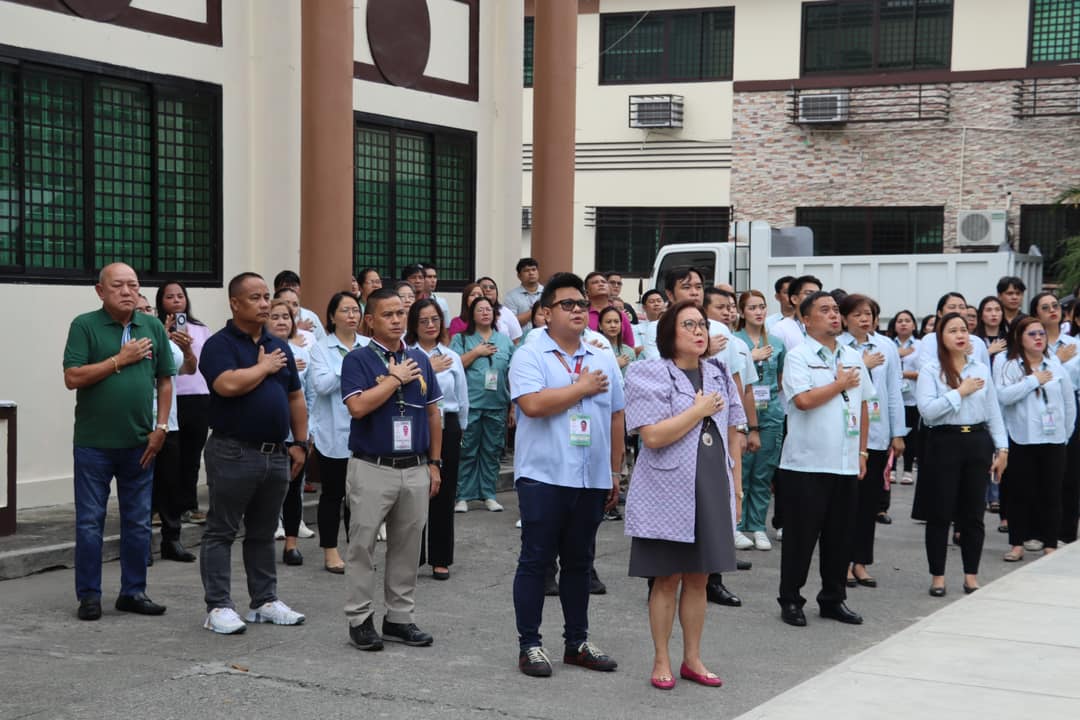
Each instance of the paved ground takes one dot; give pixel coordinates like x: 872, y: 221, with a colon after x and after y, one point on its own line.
x: 54, y: 666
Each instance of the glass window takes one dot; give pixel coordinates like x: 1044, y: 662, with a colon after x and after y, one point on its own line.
x: 628, y: 238
x: 1048, y: 227
x: 681, y: 46
x: 1055, y: 31
x: 876, y: 35
x: 874, y: 230
x: 529, y: 51
x: 414, y: 199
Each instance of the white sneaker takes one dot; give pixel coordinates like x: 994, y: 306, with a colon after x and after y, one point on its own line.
x: 381, y: 535
x: 518, y: 525
x: 277, y: 613
x: 1033, y: 545
x: 742, y: 542
x: 461, y: 506
x: 279, y: 534
x: 224, y: 621
x: 304, y: 531
x: 493, y: 505
x: 761, y: 541
x: 780, y: 535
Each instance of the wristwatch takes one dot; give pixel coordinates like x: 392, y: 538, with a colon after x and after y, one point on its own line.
x: 162, y: 427
x: 743, y: 429
x: 436, y: 463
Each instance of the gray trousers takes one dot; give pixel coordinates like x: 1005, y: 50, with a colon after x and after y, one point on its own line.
x: 400, y: 498
x: 246, y: 486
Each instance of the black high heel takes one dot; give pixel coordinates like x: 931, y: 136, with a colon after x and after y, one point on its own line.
x: 938, y: 591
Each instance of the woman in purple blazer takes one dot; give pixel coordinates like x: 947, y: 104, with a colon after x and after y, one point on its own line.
x: 679, y: 508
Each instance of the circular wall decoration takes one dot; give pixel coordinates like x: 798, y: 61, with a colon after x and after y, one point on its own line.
x: 399, y: 36
x: 100, y: 10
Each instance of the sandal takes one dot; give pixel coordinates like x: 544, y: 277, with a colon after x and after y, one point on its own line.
x: 1013, y: 556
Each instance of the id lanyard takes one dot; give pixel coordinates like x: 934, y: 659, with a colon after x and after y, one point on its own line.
x: 1046, y: 419
x: 400, y: 389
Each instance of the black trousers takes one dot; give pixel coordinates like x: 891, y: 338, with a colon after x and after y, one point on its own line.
x: 437, y: 547
x: 193, y: 415
x: 168, y: 495
x: 292, y: 507
x: 913, y: 441
x: 1070, y: 489
x: 1033, y: 479
x: 952, y: 488
x: 777, y: 489
x: 818, y: 509
x: 870, y: 490
x: 332, y: 475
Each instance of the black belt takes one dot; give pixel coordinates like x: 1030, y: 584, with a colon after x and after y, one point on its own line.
x: 266, y: 448
x: 397, y: 462
x: 978, y: 427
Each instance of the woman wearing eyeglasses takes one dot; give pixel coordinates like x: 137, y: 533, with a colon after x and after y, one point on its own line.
x: 485, y: 352
x: 1038, y: 402
x: 677, y: 509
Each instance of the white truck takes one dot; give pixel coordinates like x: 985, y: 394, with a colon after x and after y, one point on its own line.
x: 758, y: 254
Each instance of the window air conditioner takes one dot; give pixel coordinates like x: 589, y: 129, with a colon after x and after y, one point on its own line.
x: 829, y: 107
x: 980, y: 227
x: 656, y: 111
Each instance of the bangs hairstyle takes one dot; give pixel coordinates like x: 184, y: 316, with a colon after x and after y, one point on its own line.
x: 332, y: 307
x: 278, y: 302
x: 1033, y: 306
x: 744, y: 300
x: 891, y: 331
x: 470, y: 322
x: 949, y: 372
x: 412, y: 332
x: 469, y: 287
x: 1015, y: 350
x: 850, y: 303
x: 980, y: 327
x: 668, y: 325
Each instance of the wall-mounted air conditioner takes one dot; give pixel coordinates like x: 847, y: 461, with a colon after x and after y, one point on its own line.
x: 656, y: 111
x: 981, y: 227
x: 830, y: 107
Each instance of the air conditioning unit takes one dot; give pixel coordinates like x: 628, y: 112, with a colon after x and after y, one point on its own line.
x: 981, y: 227
x: 656, y: 111
x: 526, y: 218
x: 831, y: 107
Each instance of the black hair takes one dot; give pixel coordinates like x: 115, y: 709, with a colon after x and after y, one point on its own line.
x: 781, y: 282
x: 159, y: 301
x: 558, y: 281
x: 676, y: 275
x: 594, y: 273
x: 332, y: 306
x: 650, y: 293
x: 612, y: 273
x: 667, y: 327
x: 429, y: 266
x: 412, y: 325
x: 280, y: 290
x: 795, y: 286
x: 536, y: 308
x: 980, y: 329
x: 808, y: 303
x: 403, y: 284
x: 926, y: 321
x: 1010, y: 281
x: 600, y: 319
x: 891, y: 330
x: 838, y: 294
x: 1033, y: 306
x: 526, y: 262
x: 238, y: 280
x: 409, y: 270
x: 470, y: 322
x: 710, y: 291
x: 496, y: 305
x: 286, y: 277
x: 945, y: 298
x: 378, y: 296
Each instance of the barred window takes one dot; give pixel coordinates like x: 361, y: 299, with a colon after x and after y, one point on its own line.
x: 98, y: 168
x: 852, y: 36
x: 629, y: 238
x: 414, y: 198
x: 1047, y: 227
x: 1055, y: 31
x: 529, y: 27
x: 874, y: 230
x: 677, y: 46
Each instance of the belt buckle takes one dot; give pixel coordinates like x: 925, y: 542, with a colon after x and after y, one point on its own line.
x: 268, y: 448
x: 965, y: 428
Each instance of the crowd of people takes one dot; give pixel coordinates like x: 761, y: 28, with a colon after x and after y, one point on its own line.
x: 695, y: 408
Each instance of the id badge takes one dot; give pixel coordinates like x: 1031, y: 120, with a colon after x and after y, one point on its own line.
x: 491, y: 380
x: 851, y: 422
x: 762, y: 393
x: 873, y: 409
x: 1049, y: 427
x: 580, y: 430
x: 403, y: 434
x: 905, y: 386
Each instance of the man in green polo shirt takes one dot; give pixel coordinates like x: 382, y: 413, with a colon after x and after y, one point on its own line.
x: 116, y: 360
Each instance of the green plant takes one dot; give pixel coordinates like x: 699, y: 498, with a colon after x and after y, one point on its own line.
x: 1067, y: 268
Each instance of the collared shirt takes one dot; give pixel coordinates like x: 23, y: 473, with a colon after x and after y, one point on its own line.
x: 627, y: 331
x: 118, y: 410
x: 373, y: 434
x: 768, y: 371
x: 476, y: 375
x: 442, y: 306
x: 735, y: 355
x: 452, y: 382
x: 941, y: 405
x: 261, y: 414
x: 178, y: 360
x: 1036, y: 414
x: 195, y: 383
x: 330, y: 419
x: 1072, y: 367
x: 886, y: 378
x: 908, y: 363
x: 790, y: 331
x: 543, y: 450
x: 520, y: 300
x: 507, y: 323
x: 318, y: 331
x: 928, y: 350
x: 817, y: 440
x: 772, y: 320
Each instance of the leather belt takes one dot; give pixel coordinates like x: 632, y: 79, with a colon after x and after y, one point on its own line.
x: 266, y: 448
x: 397, y: 462
x: 964, y: 429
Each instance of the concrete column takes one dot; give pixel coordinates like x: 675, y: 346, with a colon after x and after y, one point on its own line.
x: 554, y: 107
x: 326, y: 150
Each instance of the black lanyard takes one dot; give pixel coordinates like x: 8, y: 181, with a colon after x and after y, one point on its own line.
x: 401, y: 387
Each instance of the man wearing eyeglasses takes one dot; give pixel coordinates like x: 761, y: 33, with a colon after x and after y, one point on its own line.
x: 569, y: 409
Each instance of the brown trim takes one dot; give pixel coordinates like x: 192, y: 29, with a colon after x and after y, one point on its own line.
x: 440, y: 86
x: 207, y: 33
x: 908, y: 78
x: 585, y: 7
x: 7, y: 514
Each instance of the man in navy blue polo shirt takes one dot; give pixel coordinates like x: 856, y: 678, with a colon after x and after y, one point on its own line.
x: 396, y: 445
x: 255, y: 398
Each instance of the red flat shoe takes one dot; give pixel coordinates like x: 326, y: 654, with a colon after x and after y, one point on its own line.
x: 708, y: 679
x: 659, y: 684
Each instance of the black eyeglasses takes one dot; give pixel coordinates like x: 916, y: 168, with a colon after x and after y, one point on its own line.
x: 571, y: 305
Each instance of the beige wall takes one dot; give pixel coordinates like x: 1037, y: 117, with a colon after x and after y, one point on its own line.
x: 989, y: 34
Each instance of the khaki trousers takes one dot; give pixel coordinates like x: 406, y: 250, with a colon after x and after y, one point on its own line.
x: 400, y: 499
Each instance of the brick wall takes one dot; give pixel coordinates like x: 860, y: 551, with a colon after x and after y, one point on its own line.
x: 969, y: 162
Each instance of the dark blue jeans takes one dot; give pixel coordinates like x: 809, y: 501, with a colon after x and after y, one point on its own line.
x: 94, y: 470
x: 555, y: 522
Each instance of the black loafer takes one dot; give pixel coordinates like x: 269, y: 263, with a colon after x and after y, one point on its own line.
x: 852, y: 582
x: 884, y: 519
x: 406, y: 633
x: 865, y: 582
x: 968, y: 589
x: 90, y: 608
x: 173, y: 550
x: 139, y: 604
x: 792, y: 614
x: 292, y: 556
x: 937, y: 591
x: 717, y: 593
x: 842, y: 613
x: 743, y: 564
x: 364, y: 637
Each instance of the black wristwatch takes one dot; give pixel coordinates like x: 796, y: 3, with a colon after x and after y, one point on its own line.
x: 436, y: 463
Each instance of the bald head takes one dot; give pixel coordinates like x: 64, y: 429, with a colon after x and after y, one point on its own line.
x: 118, y: 288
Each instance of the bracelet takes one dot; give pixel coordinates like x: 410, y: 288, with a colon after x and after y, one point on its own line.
x: 864, y: 454
x: 1003, y: 450
x: 116, y: 365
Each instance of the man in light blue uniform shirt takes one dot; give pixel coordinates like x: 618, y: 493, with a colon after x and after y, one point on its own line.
x: 569, y: 443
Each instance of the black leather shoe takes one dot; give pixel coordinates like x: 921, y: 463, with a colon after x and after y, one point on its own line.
x: 173, y: 550
x: 138, y: 604
x: 717, y: 593
x: 792, y: 614
x: 968, y: 589
x: 937, y: 591
x: 595, y: 586
x: 884, y: 518
x: 841, y: 612
x: 364, y: 637
x: 743, y: 564
x: 292, y: 556
x: 406, y: 633
x: 852, y: 582
x: 90, y: 608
